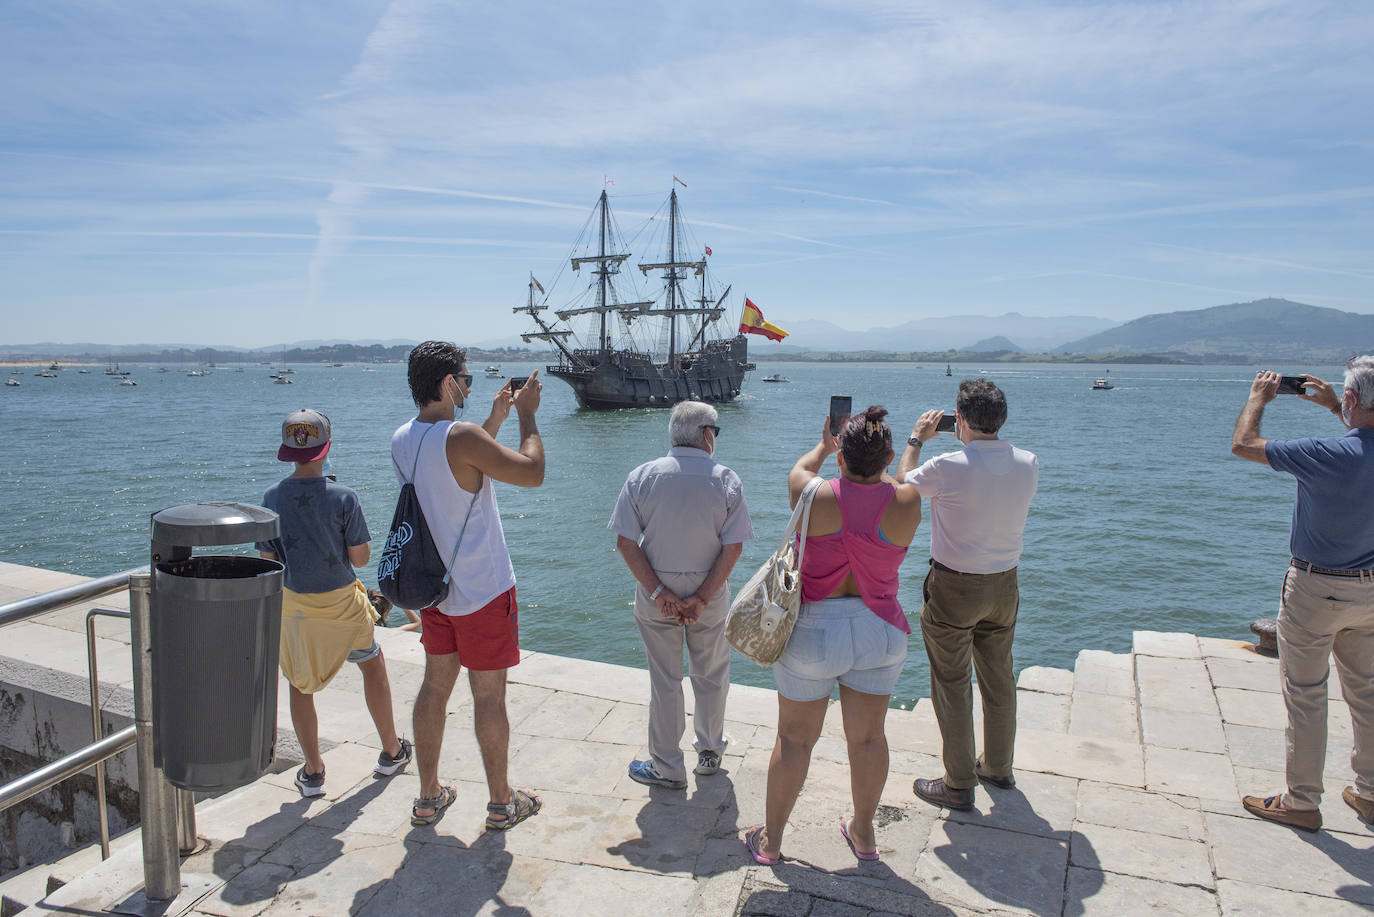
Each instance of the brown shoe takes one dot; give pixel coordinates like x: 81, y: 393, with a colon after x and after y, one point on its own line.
x: 1006, y: 783
x: 937, y: 792
x: 1273, y: 809
x: 1359, y: 803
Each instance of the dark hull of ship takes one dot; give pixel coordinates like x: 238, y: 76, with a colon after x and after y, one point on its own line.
x: 615, y: 379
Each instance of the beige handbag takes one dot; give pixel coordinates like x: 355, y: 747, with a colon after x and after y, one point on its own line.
x: 765, y: 611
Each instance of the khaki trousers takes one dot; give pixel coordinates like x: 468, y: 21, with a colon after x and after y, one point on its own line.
x: 971, y: 617
x: 1323, y: 616
x: 709, y: 655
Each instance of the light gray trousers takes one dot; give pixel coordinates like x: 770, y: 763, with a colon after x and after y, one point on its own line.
x: 1324, y: 616
x: 709, y: 656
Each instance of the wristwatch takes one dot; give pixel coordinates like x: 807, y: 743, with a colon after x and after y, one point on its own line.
x: 913, y: 441
x: 653, y: 596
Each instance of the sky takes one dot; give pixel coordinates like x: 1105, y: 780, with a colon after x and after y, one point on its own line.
x: 250, y: 172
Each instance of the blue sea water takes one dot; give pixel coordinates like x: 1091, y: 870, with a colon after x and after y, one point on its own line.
x: 1143, y: 520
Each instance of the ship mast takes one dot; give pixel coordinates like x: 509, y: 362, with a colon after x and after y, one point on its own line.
x: 604, y: 268
x: 672, y: 278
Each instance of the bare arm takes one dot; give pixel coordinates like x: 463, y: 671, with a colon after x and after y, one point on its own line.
x: 472, y: 449
x: 1246, y: 442
x: 927, y: 427
x: 358, y: 554
x: 808, y: 467
x: 500, y: 410
x: 1323, y: 393
x: 643, y: 571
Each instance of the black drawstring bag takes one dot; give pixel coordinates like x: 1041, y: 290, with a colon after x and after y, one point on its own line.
x: 411, y: 573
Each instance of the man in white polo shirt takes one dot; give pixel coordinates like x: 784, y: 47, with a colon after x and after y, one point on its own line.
x: 979, y: 498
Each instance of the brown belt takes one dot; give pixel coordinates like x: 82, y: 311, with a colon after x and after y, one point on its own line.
x: 1313, y: 568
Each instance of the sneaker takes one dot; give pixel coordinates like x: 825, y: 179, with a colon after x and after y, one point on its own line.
x: 1359, y: 803
x: 1273, y: 809
x: 708, y: 763
x: 644, y: 772
x: 310, y: 784
x: 394, y: 764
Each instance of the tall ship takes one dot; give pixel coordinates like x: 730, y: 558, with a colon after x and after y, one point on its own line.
x: 628, y: 350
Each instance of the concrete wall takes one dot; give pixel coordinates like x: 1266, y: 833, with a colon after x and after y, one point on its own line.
x: 43, y: 716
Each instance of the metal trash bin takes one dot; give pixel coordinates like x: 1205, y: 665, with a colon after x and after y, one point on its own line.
x: 215, y: 632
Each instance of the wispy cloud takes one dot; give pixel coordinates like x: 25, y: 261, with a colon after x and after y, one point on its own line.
x: 839, y: 197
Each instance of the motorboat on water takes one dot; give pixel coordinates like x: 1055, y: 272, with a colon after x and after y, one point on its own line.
x: 126, y: 381
x: 11, y: 381
x: 46, y: 374
x: 282, y: 380
x: 494, y: 372
x: 1102, y: 384
x: 776, y: 377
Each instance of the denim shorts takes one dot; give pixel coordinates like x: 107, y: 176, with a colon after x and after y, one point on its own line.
x: 372, y: 652
x: 839, y: 640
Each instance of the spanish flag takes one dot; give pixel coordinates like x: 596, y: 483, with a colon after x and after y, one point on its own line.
x: 751, y: 322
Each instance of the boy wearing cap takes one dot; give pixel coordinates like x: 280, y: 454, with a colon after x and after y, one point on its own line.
x: 326, y: 616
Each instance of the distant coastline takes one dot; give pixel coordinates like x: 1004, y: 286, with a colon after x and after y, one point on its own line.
x: 350, y: 353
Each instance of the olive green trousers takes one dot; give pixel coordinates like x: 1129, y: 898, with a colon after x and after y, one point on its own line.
x: 970, y: 618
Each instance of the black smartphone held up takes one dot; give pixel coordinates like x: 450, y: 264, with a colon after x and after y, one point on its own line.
x: 841, y: 406
x: 516, y: 382
x: 1292, y: 385
x: 946, y: 424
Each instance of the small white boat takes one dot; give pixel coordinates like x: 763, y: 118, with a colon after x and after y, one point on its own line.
x: 126, y: 381
x: 163, y: 369
x: 494, y: 372
x: 1102, y: 385
x: 84, y: 372
x: 195, y: 372
x: 46, y: 374
x: 11, y: 381
x: 281, y: 380
x: 54, y: 366
x: 776, y: 377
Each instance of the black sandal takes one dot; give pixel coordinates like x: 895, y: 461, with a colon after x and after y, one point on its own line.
x: 521, y: 806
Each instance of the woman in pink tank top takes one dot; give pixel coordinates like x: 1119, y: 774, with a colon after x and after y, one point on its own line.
x: 851, y: 630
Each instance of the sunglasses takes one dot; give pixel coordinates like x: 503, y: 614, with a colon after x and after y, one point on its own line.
x: 715, y: 430
x: 466, y: 378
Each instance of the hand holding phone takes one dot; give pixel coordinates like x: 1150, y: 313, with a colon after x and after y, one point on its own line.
x: 946, y: 424
x: 841, y: 406
x: 516, y: 382
x: 1292, y: 385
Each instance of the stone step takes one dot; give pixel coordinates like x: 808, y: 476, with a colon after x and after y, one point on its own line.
x: 22, y: 889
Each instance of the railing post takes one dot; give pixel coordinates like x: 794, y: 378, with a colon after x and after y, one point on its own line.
x: 157, y: 797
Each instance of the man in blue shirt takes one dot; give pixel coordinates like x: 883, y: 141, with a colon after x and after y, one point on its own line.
x: 1328, y: 590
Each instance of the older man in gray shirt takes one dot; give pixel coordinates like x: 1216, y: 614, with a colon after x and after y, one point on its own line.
x: 680, y: 524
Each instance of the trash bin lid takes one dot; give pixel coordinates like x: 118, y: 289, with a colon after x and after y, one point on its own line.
x: 206, y: 524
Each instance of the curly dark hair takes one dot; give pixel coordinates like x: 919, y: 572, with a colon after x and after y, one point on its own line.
x: 982, y: 405
x: 866, y: 442
x: 430, y: 362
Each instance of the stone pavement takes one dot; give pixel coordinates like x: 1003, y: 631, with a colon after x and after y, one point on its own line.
x: 1129, y: 773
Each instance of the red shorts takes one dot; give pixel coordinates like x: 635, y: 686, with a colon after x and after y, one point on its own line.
x: 486, y: 640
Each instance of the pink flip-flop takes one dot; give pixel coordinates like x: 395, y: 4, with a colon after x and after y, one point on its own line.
x: 844, y: 830
x: 751, y: 840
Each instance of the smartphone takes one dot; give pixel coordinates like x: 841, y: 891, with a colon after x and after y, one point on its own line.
x: 516, y: 382
x: 1292, y: 385
x: 841, y: 406
x: 946, y: 424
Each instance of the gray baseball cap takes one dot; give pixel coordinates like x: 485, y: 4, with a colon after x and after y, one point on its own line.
x: 304, y: 436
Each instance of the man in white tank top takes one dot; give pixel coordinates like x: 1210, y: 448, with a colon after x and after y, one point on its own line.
x: 476, y: 625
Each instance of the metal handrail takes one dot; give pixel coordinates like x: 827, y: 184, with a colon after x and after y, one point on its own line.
x: 157, y: 798
x: 97, y: 728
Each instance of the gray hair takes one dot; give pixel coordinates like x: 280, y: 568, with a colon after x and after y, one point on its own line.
x: 687, y: 425
x: 1359, y: 375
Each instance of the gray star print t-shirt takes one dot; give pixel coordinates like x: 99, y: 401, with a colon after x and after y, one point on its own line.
x: 320, y: 520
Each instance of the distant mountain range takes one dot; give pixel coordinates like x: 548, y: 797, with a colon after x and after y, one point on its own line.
x: 952, y: 332
x: 1263, y: 329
